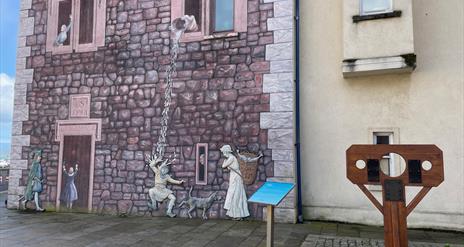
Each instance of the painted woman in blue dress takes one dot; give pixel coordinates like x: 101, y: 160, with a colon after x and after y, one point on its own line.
x: 69, y: 194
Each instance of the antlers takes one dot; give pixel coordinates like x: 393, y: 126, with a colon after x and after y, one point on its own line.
x: 154, y: 159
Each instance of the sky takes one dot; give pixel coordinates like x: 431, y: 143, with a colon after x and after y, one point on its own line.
x: 9, y: 18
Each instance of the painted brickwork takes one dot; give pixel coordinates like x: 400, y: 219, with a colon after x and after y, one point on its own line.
x: 235, y: 90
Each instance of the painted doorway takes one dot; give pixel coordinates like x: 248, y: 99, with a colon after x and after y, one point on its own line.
x: 75, y: 185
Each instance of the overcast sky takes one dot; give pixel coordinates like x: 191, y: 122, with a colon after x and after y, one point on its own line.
x: 9, y: 18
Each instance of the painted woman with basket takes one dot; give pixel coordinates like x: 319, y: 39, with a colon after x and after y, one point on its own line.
x: 236, y: 202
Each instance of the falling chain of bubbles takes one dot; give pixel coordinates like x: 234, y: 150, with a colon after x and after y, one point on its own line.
x: 161, y: 144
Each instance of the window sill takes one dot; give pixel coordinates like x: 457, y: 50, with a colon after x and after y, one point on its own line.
x: 379, y: 65
x: 191, y: 37
x: 359, y: 18
x: 221, y: 35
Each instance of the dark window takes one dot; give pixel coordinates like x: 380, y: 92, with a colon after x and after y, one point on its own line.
x: 64, y: 12
x: 382, y: 140
x: 86, y: 22
x: 193, y: 7
x: 223, y: 15
x: 201, y: 165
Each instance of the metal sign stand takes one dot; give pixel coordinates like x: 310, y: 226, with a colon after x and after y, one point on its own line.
x: 271, y: 194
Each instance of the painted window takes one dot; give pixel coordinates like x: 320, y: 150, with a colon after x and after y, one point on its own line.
x: 82, y: 22
x: 369, y: 7
x: 193, y: 7
x: 201, y: 176
x: 223, y: 15
x: 215, y: 18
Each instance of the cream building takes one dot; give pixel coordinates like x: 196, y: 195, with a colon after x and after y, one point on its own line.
x: 359, y: 86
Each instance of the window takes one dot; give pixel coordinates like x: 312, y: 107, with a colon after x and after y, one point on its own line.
x: 384, y: 138
x: 201, y: 173
x: 222, y: 15
x: 383, y: 135
x: 369, y: 7
x: 193, y: 7
x: 215, y: 18
x: 75, y: 25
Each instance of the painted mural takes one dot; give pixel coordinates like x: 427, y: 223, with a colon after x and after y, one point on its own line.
x: 152, y: 122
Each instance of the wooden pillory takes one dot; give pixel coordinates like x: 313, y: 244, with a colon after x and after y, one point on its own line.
x: 394, y: 207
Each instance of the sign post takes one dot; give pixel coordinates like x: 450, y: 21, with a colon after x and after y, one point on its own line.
x: 271, y: 194
x: 417, y: 173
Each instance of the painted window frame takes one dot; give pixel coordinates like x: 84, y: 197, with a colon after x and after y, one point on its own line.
x: 197, y: 164
x: 99, y: 27
x: 363, y: 12
x: 240, y: 20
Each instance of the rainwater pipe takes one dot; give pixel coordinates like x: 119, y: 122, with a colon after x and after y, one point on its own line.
x: 297, y: 112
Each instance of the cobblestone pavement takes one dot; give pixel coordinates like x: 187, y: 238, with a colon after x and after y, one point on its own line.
x: 72, y: 229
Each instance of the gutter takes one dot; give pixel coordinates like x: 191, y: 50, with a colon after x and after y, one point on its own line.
x: 297, y: 110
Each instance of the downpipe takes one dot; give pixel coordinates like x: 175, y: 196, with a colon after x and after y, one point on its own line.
x: 297, y: 112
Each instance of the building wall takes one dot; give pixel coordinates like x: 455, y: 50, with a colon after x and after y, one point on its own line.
x: 426, y: 106
x: 218, y: 98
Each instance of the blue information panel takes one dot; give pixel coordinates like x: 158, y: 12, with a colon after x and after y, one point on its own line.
x: 271, y: 193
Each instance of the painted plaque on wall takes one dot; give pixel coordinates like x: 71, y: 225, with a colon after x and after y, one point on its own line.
x: 79, y: 106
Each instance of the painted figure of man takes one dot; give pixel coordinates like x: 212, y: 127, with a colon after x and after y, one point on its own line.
x: 160, y: 192
x: 70, y: 192
x: 236, y: 202
x: 34, y: 181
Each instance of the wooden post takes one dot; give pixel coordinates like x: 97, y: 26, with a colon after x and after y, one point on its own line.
x: 270, y: 226
x: 395, y: 226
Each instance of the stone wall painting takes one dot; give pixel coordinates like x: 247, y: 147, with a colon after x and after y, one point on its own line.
x: 201, y: 164
x: 218, y: 96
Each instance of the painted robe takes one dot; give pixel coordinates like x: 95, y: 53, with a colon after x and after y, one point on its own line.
x: 236, y: 202
x: 34, y: 181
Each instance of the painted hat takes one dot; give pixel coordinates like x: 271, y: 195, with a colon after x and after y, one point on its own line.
x: 37, y: 152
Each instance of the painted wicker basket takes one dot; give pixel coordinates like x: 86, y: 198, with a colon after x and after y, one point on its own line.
x: 248, y: 169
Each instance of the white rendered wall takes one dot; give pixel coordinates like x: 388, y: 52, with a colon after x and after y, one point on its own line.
x: 427, y: 106
x: 377, y: 38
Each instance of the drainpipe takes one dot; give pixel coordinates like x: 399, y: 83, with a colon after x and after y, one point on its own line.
x: 297, y: 110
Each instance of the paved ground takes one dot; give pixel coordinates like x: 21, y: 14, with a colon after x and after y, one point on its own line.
x: 68, y: 229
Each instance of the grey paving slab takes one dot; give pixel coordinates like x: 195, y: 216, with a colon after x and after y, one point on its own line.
x: 79, y: 230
